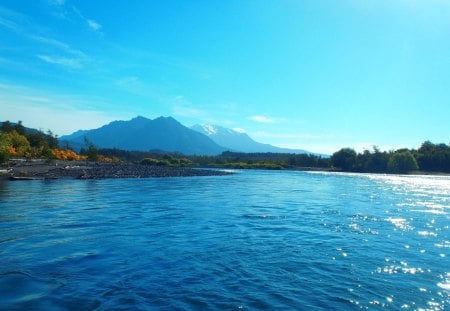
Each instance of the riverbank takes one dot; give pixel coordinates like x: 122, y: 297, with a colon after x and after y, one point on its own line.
x: 97, y: 170
x: 42, y: 169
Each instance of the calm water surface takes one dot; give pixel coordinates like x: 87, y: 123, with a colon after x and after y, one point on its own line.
x: 254, y: 240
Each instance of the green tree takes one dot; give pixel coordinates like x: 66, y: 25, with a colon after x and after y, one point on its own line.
x: 19, y: 142
x: 12, y: 143
x: 52, y: 140
x: 434, y: 157
x: 38, y: 143
x: 91, y: 151
x: 378, y: 161
x: 5, y: 143
x: 7, y: 127
x: 402, y: 161
x: 37, y: 139
x: 20, y: 128
x: 344, y: 159
x: 362, y: 161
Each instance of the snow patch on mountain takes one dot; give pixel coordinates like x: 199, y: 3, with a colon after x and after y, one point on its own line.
x: 238, y: 140
x: 209, y: 129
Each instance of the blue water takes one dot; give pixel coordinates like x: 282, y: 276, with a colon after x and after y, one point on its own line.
x: 253, y: 240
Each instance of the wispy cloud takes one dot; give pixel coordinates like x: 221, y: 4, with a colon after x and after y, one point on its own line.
x: 93, y: 24
x: 239, y: 129
x: 62, y: 54
x: 72, y: 63
x: 71, y: 12
x: 57, y: 44
x: 4, y: 22
x: 261, y: 119
x: 11, y: 19
x: 48, y: 49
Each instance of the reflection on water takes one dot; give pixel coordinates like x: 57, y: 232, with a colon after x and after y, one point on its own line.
x: 254, y: 240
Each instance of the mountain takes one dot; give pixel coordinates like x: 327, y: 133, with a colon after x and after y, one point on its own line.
x: 236, y: 141
x: 142, y: 134
x: 75, y: 135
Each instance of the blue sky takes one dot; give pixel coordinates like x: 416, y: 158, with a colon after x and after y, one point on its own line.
x: 317, y: 75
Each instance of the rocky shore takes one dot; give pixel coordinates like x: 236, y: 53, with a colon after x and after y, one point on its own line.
x: 96, y: 170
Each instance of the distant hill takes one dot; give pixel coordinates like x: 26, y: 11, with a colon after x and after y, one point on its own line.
x: 236, y: 141
x: 142, y: 134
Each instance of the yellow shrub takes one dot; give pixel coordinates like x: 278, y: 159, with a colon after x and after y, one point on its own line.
x: 67, y: 154
x: 12, y: 150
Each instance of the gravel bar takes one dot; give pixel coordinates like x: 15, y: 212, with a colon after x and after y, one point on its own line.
x: 94, y: 170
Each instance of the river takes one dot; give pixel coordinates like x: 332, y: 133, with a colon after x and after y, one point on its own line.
x: 252, y: 240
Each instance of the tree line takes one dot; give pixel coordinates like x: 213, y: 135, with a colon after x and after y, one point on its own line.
x: 17, y: 141
x: 429, y: 157
x: 262, y: 160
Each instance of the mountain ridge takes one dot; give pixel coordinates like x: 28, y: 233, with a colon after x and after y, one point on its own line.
x: 237, y: 141
x: 166, y: 134
x: 143, y: 134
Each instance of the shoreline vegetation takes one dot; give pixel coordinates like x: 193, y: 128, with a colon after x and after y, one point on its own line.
x: 31, y: 154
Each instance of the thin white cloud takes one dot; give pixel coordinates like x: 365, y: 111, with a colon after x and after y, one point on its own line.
x: 93, y: 24
x: 49, y: 50
x: 52, y: 42
x: 57, y: 44
x: 12, y: 20
x: 239, y: 129
x: 261, y: 119
x: 62, y: 54
x: 71, y: 63
x: 8, y: 24
x: 73, y: 13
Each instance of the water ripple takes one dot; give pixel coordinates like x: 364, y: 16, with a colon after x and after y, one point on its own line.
x: 254, y: 240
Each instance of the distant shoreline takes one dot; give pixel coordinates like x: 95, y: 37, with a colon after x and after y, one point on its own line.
x: 327, y: 170
x: 97, y: 170
x: 58, y: 169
